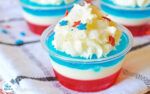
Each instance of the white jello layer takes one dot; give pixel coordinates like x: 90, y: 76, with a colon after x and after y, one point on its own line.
x: 85, y: 74
x: 129, y: 22
x: 41, y: 20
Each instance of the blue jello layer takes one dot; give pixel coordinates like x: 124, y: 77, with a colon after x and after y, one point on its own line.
x: 46, y: 10
x: 33, y: 4
x: 96, y: 65
x: 134, y: 13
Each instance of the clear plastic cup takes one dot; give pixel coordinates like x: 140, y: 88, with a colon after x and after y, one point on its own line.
x: 87, y: 75
x: 137, y: 20
x: 39, y: 17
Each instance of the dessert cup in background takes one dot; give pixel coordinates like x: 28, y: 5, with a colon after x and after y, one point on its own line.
x: 87, y: 75
x: 135, y: 17
x: 41, y: 15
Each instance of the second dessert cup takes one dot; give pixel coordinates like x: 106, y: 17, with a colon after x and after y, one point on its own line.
x: 39, y: 17
x: 136, y: 19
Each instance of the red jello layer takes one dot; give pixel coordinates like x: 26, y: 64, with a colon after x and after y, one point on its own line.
x: 140, y: 30
x: 87, y: 85
x: 37, y: 29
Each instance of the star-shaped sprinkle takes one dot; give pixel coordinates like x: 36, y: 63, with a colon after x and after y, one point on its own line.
x: 81, y: 26
x: 66, y: 13
x: 63, y: 23
x: 89, y: 1
x: 112, y: 40
x: 76, y: 23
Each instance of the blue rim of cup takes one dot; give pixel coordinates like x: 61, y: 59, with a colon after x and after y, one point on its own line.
x: 49, y: 31
x: 51, y: 7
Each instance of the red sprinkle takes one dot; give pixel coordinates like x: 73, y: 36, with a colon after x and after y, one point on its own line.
x: 89, y: 1
x: 7, y: 26
x: 76, y: 23
x: 112, y: 40
x: 66, y: 13
x: 106, y: 18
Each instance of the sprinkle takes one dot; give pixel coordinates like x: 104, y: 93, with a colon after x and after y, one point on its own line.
x: 82, y: 26
x: 66, y: 13
x: 7, y: 26
x: 106, y: 18
x: 19, y: 42
x: 63, y: 23
x: 22, y: 33
x: 76, y: 23
x: 112, y: 40
x: 4, y: 31
x: 89, y: 1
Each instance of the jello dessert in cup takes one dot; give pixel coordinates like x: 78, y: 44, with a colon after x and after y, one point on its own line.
x: 40, y: 14
x: 134, y: 14
x: 86, y: 49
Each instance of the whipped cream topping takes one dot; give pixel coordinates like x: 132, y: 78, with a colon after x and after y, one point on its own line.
x: 52, y: 2
x: 132, y: 3
x: 84, y: 32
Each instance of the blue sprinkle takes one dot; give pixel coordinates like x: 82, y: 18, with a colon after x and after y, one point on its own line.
x: 81, y: 26
x: 22, y: 33
x: 63, y: 23
x: 19, y: 42
x: 4, y: 31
